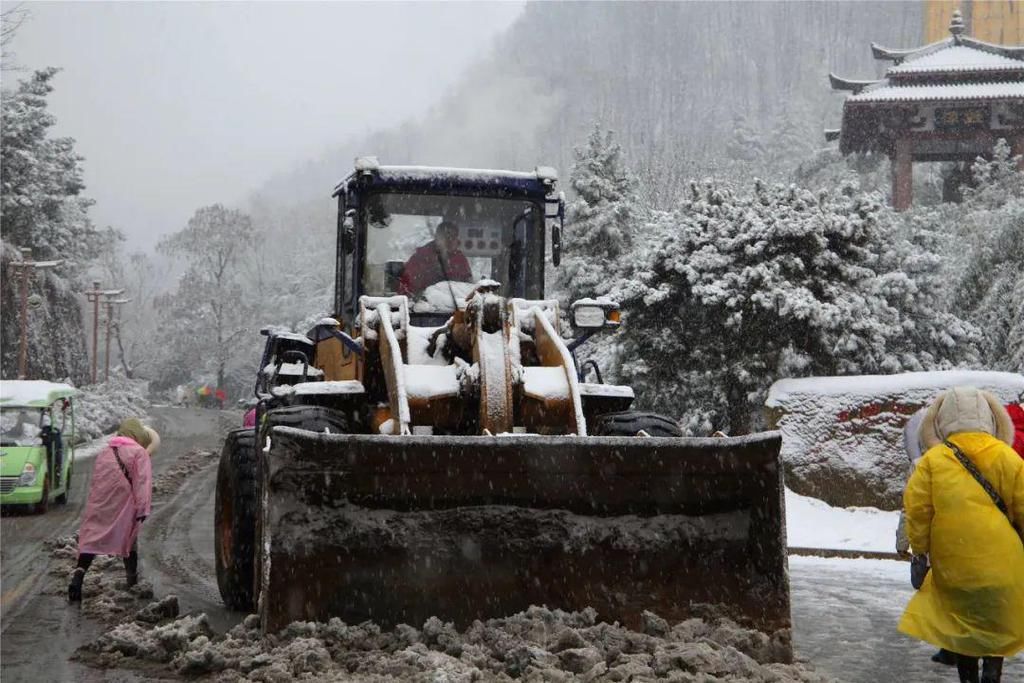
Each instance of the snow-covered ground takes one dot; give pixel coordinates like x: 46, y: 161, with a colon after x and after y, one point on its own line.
x: 811, y: 523
x: 90, y: 449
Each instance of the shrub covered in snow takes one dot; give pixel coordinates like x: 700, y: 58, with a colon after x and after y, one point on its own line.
x: 100, y: 408
x: 736, y: 289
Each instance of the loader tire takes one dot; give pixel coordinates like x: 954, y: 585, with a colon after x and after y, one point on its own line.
x: 235, y: 511
x: 632, y: 422
x: 311, y: 418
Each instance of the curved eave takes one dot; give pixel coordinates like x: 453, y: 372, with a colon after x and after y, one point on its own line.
x: 1011, y: 51
x: 898, y: 55
x: 848, y: 84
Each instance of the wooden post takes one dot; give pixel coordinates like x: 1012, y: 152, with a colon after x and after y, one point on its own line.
x: 94, y: 296
x: 1017, y: 150
x: 23, y: 270
x: 106, y: 354
x: 24, y: 267
x: 902, y: 175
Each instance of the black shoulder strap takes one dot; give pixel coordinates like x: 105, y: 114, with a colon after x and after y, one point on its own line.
x: 120, y: 463
x: 992, y: 493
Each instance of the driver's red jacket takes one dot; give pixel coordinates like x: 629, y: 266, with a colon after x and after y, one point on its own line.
x: 424, y: 268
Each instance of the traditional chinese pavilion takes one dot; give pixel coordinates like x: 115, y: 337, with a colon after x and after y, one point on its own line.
x: 947, y: 101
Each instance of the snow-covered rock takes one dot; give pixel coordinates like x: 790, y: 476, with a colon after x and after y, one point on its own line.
x: 842, y: 436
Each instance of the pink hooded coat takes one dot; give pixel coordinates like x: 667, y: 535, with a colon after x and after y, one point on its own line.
x: 111, y: 523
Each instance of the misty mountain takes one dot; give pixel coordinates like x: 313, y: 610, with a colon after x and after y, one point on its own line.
x: 687, y: 88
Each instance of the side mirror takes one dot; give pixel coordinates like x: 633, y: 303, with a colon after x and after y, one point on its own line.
x: 348, y: 232
x: 595, y: 314
x: 556, y: 244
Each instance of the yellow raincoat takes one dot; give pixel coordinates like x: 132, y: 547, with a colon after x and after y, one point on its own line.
x: 972, y: 601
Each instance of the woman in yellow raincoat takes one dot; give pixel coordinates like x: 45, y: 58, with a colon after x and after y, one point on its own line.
x: 972, y: 600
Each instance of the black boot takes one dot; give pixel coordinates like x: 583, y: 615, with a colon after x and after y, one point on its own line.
x: 967, y: 667
x: 131, y: 568
x: 944, y: 657
x: 75, y: 587
x: 991, y: 669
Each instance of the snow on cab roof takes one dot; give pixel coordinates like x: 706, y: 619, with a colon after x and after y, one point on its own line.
x: 542, y: 174
x: 33, y: 393
x: 871, y: 385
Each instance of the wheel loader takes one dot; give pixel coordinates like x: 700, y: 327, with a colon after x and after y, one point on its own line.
x: 434, y: 448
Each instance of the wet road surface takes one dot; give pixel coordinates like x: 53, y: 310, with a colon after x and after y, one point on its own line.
x: 844, y: 622
x: 38, y: 632
x: 844, y: 611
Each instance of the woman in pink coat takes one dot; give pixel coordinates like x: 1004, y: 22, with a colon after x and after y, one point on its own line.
x: 119, y: 501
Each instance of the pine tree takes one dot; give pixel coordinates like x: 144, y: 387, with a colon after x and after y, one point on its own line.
x: 991, y: 224
x: 599, y: 231
x: 745, y: 143
x: 41, y: 200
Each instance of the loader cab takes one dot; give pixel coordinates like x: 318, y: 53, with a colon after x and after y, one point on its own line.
x: 388, y: 219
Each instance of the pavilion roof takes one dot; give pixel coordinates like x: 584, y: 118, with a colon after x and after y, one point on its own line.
x: 958, y: 70
x: 956, y: 58
x: 895, y: 92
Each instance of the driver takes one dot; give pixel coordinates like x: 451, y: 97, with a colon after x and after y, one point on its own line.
x: 436, y: 261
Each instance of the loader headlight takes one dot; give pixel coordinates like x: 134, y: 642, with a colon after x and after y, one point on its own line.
x: 591, y: 314
x: 28, y: 475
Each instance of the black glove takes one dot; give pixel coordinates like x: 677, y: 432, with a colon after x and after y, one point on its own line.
x: 918, y: 570
x: 140, y: 519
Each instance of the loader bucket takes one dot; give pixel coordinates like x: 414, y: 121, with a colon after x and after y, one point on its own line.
x: 399, y: 529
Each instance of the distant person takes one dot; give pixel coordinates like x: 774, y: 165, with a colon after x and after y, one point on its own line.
x: 436, y: 261
x: 249, y: 420
x: 970, y: 601
x: 120, y: 494
x: 221, y: 397
x: 1016, y: 412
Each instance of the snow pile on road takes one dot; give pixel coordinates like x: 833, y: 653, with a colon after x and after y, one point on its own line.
x: 538, y: 644
x: 811, y: 523
x: 170, y: 481
x: 100, y: 408
x: 842, y: 437
x: 105, y: 595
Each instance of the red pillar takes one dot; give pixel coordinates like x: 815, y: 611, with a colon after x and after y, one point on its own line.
x: 1017, y: 150
x: 902, y: 175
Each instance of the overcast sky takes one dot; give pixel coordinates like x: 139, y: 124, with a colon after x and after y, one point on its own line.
x: 178, y: 105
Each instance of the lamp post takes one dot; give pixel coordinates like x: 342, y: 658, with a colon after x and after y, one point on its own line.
x: 110, y: 303
x: 23, y: 267
x: 93, y: 295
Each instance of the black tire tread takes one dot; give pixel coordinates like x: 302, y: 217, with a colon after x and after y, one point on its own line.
x: 631, y: 422
x: 238, y: 462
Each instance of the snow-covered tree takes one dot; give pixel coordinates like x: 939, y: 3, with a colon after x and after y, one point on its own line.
x: 745, y: 143
x: 209, y: 311
x: 990, y: 224
x: 41, y: 202
x: 601, y: 217
x: 42, y: 208
x: 738, y: 290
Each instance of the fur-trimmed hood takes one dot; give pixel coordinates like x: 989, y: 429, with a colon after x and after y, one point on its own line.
x: 965, y: 409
